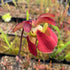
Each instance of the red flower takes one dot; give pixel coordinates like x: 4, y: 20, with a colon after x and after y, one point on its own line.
x: 25, y: 24
x: 46, y: 41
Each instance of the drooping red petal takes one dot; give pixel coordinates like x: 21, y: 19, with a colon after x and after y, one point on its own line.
x: 18, y: 26
x: 47, y: 15
x: 46, y: 44
x: 49, y: 32
x: 44, y: 20
x: 54, y: 36
x: 32, y: 47
x: 27, y: 26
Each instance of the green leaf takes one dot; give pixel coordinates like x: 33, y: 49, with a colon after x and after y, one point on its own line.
x: 5, y: 38
x: 63, y: 47
x: 68, y: 55
x: 27, y: 15
x: 58, y: 30
x: 5, y: 47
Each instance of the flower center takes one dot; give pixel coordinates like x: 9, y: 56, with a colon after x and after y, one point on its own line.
x: 34, y: 30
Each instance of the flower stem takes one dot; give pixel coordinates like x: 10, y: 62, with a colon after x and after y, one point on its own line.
x: 20, y: 43
x: 20, y: 47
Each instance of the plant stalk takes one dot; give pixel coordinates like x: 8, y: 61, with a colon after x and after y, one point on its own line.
x: 20, y: 48
x: 21, y: 42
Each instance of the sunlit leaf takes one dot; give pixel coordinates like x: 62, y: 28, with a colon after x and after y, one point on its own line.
x: 27, y: 15
x: 7, y: 17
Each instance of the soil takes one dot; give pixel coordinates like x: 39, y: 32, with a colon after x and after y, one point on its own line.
x: 10, y: 63
x: 8, y: 28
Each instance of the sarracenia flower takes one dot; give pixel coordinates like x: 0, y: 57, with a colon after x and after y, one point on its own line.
x: 47, y: 40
